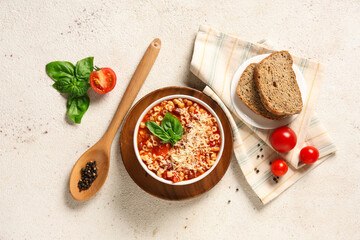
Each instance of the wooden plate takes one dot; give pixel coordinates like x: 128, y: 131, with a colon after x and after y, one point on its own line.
x: 153, y: 186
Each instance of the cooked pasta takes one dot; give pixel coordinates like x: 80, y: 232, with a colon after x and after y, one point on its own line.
x: 191, y: 156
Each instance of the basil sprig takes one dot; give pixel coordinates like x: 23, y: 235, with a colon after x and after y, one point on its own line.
x: 74, y: 81
x: 170, y: 129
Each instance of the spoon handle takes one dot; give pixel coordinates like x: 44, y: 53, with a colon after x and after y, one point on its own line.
x: 132, y: 90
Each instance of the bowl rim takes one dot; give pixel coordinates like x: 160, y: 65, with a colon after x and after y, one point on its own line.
x: 152, y: 174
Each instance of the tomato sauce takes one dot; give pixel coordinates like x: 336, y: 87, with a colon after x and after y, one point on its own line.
x: 191, y: 156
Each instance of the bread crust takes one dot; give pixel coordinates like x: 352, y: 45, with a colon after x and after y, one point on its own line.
x: 275, y: 117
x: 261, y: 91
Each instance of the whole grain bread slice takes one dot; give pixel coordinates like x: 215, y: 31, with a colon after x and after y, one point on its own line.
x: 246, y: 90
x: 276, y: 83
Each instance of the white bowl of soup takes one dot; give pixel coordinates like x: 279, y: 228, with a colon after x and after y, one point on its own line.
x: 194, y: 155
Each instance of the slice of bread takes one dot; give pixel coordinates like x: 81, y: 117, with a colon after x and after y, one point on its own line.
x: 276, y: 83
x: 246, y: 90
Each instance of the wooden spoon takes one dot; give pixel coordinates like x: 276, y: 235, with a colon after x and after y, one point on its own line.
x: 100, y: 152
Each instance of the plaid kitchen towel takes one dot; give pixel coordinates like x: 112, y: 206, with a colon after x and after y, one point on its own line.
x: 216, y: 58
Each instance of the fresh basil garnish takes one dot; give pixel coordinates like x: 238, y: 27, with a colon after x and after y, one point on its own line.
x: 77, y: 106
x: 72, y: 86
x: 74, y: 81
x: 170, y: 129
x: 172, y: 124
x: 84, y: 68
x: 157, y: 130
x: 60, y: 69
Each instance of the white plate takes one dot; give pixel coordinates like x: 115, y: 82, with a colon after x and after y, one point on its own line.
x: 247, y: 114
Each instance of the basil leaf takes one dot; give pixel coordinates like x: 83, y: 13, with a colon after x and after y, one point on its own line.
x: 169, y: 131
x: 71, y: 86
x: 157, y: 131
x: 84, y: 68
x: 173, y: 141
x: 174, y: 136
x: 77, y: 106
x: 59, y: 70
x: 170, y: 122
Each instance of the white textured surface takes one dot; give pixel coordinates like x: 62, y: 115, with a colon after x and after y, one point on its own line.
x: 38, y: 146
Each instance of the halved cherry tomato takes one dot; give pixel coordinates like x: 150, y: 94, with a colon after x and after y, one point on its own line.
x: 279, y: 167
x: 283, y: 139
x: 309, y: 155
x: 103, y: 80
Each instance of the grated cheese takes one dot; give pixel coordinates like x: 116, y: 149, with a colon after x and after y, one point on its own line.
x: 195, y: 143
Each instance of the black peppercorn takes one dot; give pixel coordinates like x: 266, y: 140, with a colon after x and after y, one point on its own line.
x: 88, y: 176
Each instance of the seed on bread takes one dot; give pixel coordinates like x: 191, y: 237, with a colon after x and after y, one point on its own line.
x: 246, y: 90
x: 276, y: 84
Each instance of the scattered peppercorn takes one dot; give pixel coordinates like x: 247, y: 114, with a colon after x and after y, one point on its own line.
x: 229, y: 201
x: 257, y: 156
x: 258, y: 144
x: 88, y: 176
x: 261, y: 149
x: 262, y: 156
x: 237, y: 189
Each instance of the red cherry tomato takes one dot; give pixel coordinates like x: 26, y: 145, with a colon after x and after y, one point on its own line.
x: 103, y: 80
x: 283, y: 139
x: 309, y: 155
x: 279, y: 167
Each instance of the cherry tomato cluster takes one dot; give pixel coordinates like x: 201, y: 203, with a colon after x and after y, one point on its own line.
x: 283, y: 140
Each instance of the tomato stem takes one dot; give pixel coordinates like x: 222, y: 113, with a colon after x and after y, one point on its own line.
x: 96, y: 68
